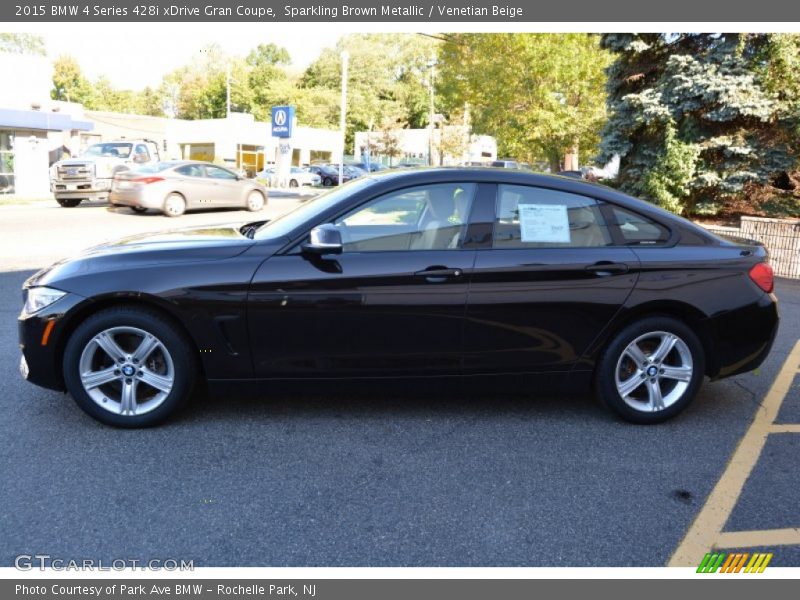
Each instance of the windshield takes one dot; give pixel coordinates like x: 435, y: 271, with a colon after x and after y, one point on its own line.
x: 111, y: 149
x: 307, y: 211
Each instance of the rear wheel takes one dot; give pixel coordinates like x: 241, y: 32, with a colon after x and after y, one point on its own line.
x: 327, y: 182
x: 69, y: 202
x: 139, y: 209
x: 293, y: 183
x: 255, y: 201
x: 129, y: 367
x: 651, y: 370
x: 174, y: 205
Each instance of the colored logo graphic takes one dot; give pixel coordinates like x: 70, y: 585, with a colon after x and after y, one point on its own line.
x: 734, y: 563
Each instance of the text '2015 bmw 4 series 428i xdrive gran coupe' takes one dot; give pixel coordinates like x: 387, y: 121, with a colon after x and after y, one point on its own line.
x: 528, y: 281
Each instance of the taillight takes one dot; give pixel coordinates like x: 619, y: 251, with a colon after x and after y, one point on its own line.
x: 147, y: 180
x: 762, y: 275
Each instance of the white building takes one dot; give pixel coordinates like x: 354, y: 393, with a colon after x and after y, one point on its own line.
x: 238, y: 141
x: 33, y: 128
x: 451, y: 145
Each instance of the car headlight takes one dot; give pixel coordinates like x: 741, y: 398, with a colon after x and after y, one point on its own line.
x: 38, y: 298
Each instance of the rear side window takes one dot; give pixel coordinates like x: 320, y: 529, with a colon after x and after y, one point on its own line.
x: 638, y: 230
x: 531, y: 217
x: 191, y: 171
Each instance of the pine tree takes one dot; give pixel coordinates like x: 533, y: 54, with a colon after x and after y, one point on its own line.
x: 697, y: 118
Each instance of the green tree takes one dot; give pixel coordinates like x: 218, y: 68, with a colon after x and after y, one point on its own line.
x: 541, y: 95
x: 386, y: 78
x: 22, y: 43
x: 700, y: 119
x: 69, y: 84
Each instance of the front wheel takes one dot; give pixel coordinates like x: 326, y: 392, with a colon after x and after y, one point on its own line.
x: 129, y: 367
x: 255, y: 201
x: 68, y: 202
x: 651, y: 370
x: 293, y: 183
x: 139, y: 209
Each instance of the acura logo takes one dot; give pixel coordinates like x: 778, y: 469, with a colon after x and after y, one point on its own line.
x: 280, y: 117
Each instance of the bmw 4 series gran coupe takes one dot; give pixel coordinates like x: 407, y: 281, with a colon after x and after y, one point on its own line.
x: 534, y: 283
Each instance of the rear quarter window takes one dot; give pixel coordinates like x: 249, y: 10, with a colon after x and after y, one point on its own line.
x: 637, y: 230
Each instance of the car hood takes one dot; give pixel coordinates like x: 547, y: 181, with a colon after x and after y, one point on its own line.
x: 210, y: 242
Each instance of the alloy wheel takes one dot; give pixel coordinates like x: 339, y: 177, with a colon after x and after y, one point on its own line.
x: 654, y: 371
x: 126, y: 371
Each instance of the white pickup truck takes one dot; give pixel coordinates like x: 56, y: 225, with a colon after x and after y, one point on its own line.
x: 89, y: 176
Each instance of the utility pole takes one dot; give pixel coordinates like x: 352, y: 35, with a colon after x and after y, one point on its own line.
x: 228, y: 91
x: 342, y: 120
x: 431, y: 81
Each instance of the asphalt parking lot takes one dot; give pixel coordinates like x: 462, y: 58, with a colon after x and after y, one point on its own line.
x: 393, y: 478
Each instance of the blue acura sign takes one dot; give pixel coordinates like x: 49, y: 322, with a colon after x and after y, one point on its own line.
x: 282, y: 118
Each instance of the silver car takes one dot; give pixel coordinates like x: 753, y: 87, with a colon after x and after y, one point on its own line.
x: 173, y: 187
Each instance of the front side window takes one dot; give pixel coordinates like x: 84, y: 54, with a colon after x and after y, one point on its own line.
x: 218, y: 173
x: 427, y: 217
x: 142, y: 154
x: 531, y: 217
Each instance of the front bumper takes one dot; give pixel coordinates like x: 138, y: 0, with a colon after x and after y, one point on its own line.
x: 94, y: 188
x: 40, y: 363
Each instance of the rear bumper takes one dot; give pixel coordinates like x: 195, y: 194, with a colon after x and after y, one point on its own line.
x: 743, y: 338
x: 141, y: 197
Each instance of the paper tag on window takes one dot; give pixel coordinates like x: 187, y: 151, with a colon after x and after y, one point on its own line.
x: 544, y: 223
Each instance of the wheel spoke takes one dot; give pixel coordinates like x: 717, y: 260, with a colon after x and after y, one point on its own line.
x: 656, y: 400
x: 128, y: 398
x: 148, y: 344
x: 636, y: 354
x: 664, y: 348
x: 106, y: 342
x: 677, y: 373
x: 162, y: 383
x: 93, y: 379
x: 629, y: 385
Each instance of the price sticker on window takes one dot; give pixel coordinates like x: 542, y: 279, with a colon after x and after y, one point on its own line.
x: 544, y: 223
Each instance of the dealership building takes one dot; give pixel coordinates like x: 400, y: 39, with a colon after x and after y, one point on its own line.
x: 36, y: 131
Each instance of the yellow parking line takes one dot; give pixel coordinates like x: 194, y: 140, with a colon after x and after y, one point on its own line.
x: 785, y: 428
x: 763, y: 537
x: 706, y: 529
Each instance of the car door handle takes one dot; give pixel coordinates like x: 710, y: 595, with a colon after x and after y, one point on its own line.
x: 604, y: 268
x: 439, y: 274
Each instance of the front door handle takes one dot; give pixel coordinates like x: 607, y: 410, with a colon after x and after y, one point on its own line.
x: 439, y: 274
x: 604, y: 268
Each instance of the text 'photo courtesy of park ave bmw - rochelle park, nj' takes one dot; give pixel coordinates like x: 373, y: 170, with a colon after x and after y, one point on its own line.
x: 372, y: 290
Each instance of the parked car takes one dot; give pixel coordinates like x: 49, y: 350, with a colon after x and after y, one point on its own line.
x: 329, y: 174
x: 90, y: 175
x: 372, y: 167
x: 506, y: 164
x: 530, y: 283
x: 300, y: 176
x: 173, y: 187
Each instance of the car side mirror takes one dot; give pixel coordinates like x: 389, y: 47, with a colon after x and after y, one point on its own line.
x: 324, y: 239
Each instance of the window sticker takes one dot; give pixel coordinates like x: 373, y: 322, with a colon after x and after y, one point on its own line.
x: 544, y: 223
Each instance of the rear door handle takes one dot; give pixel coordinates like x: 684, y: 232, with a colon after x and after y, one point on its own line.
x: 439, y: 274
x: 604, y: 268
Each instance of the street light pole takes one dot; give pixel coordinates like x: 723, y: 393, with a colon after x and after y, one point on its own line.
x: 345, y: 59
x: 228, y: 92
x: 431, y: 81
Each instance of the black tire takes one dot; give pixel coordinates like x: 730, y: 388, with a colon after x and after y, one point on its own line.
x: 139, y: 209
x: 293, y: 183
x: 180, y: 351
x: 327, y: 182
x: 69, y: 202
x: 637, y: 405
